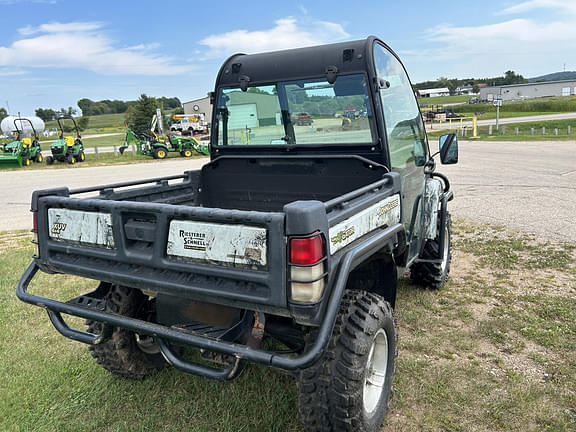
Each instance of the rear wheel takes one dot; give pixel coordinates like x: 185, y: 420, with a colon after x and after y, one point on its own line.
x: 350, y: 387
x: 49, y: 160
x: 126, y: 353
x: 435, y: 275
x: 81, y: 156
x: 39, y: 158
x: 70, y: 159
x: 160, y: 153
x: 25, y: 162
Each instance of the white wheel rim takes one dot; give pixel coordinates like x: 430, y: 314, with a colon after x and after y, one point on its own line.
x: 376, y: 368
x: 446, y: 250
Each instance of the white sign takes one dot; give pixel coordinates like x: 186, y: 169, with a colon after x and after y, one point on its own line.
x: 81, y: 227
x: 383, y: 213
x: 218, y: 243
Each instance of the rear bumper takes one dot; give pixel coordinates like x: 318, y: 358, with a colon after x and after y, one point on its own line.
x: 165, y: 334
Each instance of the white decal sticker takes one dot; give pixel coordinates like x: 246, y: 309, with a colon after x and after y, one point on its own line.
x: 81, y: 227
x: 219, y: 243
x: 383, y: 213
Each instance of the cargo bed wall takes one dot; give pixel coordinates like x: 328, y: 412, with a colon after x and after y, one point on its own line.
x: 267, y: 184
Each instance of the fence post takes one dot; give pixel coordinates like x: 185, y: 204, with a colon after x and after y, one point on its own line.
x: 503, y: 130
x: 133, y: 149
x: 544, y: 130
x: 115, y: 151
x: 96, y: 151
x: 490, y: 130
x: 568, y: 129
x: 555, y: 131
x: 531, y: 131
x: 517, y: 131
x: 474, y: 126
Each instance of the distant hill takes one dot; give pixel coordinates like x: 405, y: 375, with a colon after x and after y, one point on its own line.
x: 558, y: 76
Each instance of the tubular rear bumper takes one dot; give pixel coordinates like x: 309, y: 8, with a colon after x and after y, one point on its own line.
x: 164, y: 334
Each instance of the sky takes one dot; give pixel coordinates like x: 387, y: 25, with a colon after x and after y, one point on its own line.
x: 55, y: 52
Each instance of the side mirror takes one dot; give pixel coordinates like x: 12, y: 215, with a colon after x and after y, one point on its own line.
x: 449, y: 149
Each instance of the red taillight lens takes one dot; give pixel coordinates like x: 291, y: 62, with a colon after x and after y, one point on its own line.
x: 306, y: 251
x: 35, y: 222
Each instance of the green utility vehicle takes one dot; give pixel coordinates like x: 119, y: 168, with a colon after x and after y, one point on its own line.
x: 21, y: 151
x: 298, y: 235
x: 67, y: 148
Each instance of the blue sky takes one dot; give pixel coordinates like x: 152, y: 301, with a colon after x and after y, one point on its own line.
x: 54, y: 52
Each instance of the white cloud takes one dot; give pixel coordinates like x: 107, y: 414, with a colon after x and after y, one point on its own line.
x: 527, y: 6
x: 287, y: 33
x: 83, y: 45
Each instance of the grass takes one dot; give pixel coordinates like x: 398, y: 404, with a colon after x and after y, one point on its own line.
x: 538, y: 105
x: 440, y: 100
x: 105, y: 123
x: 492, y: 351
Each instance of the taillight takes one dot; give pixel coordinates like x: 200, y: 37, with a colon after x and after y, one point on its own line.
x: 35, y: 232
x: 307, y: 268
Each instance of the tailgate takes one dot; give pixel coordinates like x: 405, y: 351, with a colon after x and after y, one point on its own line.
x: 223, y: 256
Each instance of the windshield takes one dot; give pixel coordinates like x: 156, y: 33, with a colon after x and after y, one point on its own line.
x: 303, y: 112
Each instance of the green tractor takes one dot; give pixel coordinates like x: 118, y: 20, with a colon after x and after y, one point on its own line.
x: 21, y: 151
x: 67, y: 149
x: 158, y: 146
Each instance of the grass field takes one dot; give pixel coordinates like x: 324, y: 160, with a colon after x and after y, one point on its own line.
x: 538, y: 105
x: 443, y: 100
x: 492, y: 351
x: 105, y: 123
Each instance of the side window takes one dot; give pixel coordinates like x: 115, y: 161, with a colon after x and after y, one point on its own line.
x: 404, y: 125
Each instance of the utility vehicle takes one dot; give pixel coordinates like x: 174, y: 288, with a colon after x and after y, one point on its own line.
x: 22, y: 151
x: 67, y: 148
x: 293, y: 234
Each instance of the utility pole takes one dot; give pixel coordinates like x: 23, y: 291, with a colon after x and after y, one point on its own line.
x: 498, y: 103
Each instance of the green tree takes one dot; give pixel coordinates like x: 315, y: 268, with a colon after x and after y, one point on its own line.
x: 83, y: 123
x: 85, y: 106
x: 139, y: 115
x: 45, y: 114
x: 3, y: 113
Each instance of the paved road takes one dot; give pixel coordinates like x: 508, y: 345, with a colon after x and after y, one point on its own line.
x: 19, y: 185
x: 529, y: 186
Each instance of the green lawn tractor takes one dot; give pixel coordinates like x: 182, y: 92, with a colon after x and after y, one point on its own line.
x: 21, y: 151
x: 67, y: 149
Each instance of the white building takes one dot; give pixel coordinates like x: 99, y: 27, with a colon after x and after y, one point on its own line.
x: 434, y: 92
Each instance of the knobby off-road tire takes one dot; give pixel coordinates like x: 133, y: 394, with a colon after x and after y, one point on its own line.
x: 335, y: 392
x: 124, y: 354
x: 431, y: 275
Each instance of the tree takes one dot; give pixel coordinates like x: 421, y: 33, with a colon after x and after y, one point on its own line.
x: 82, y: 123
x: 3, y: 113
x: 475, y: 89
x: 139, y: 115
x: 85, y: 106
x: 45, y: 114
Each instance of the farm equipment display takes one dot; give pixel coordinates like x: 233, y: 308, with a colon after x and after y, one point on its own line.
x: 67, y: 149
x: 21, y: 151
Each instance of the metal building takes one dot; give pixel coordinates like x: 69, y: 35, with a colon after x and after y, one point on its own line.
x: 529, y: 91
x: 199, y: 106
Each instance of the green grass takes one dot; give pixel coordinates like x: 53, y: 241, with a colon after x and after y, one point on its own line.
x: 440, y: 100
x: 105, y: 123
x: 492, y: 351
x: 538, y: 105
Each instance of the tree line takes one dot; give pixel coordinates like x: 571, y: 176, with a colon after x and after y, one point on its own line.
x: 509, y: 77
x: 91, y: 108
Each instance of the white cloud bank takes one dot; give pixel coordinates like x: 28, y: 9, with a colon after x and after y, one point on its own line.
x: 287, y: 33
x: 529, y: 44
x: 83, y: 45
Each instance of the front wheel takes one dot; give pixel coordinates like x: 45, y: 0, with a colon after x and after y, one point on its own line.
x: 435, y: 275
x: 186, y: 153
x: 39, y: 157
x: 81, y: 156
x: 70, y: 159
x: 49, y: 160
x: 350, y: 387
